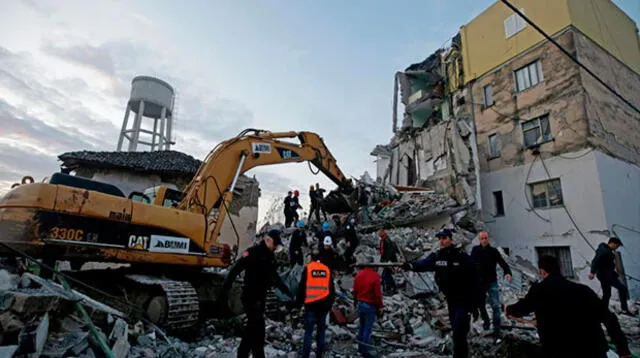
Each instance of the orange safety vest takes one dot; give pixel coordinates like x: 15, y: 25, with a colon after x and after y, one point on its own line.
x: 318, y: 281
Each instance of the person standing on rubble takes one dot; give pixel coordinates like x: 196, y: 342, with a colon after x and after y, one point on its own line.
x: 259, y: 264
x: 569, y: 316
x: 317, y: 292
x: 603, y: 266
x: 367, y: 297
x: 363, y: 201
x: 351, y: 238
x: 288, y: 218
x: 388, y: 253
x: 295, y: 205
x: 327, y: 253
x: 485, y: 258
x: 313, y: 197
x: 455, y: 277
x: 298, y: 241
x: 320, y: 198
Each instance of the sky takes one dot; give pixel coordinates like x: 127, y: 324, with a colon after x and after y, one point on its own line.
x: 323, y: 66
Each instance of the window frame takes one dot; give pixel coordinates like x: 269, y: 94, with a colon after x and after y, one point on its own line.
x: 566, y: 267
x: 545, y: 137
x: 493, y: 154
x: 548, y: 204
x: 498, y: 212
x: 484, y: 96
x: 537, y: 64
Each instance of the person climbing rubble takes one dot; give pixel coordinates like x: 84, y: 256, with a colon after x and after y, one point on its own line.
x: 455, y: 276
x: 317, y: 292
x: 568, y: 316
x: 351, y: 238
x: 367, y: 298
x: 485, y: 258
x: 298, y: 241
x: 603, y: 266
x: 388, y: 253
x: 260, y: 268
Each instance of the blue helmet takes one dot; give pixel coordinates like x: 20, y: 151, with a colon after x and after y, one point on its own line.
x: 326, y: 226
x: 300, y: 224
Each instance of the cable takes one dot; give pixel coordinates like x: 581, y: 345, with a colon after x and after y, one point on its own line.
x: 233, y: 225
x: 507, y: 3
x: 311, y: 169
x: 526, y: 195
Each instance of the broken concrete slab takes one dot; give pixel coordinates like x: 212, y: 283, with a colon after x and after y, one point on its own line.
x: 8, y: 351
x: 33, y: 302
x: 34, y: 335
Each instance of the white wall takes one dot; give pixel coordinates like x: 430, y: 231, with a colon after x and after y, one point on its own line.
x: 245, y: 224
x: 620, y: 185
x: 382, y: 164
x: 521, y: 230
x: 128, y: 182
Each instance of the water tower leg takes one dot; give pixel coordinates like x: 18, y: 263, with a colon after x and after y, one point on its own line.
x: 124, y: 128
x: 133, y: 144
x: 169, y: 123
x: 163, y: 116
x: 153, y: 136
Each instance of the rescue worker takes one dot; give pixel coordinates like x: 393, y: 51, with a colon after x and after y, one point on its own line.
x: 316, y: 291
x: 315, y: 209
x: 363, y: 201
x: 603, y: 266
x: 569, y: 316
x: 288, y: 218
x: 298, y: 241
x: 485, y: 258
x: 295, y: 205
x: 351, y: 238
x: 324, y: 232
x: 260, y: 268
x: 367, y: 296
x: 327, y: 253
x: 388, y: 253
x: 455, y: 277
x: 320, y: 198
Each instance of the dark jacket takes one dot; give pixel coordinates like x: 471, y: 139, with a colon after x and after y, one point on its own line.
x: 351, y: 235
x: 322, y: 305
x: 388, y: 250
x: 485, y: 260
x: 287, y: 204
x: 313, y: 197
x: 568, y: 318
x: 328, y: 257
x: 363, y: 197
x: 261, y: 273
x: 604, y: 262
x: 453, y: 272
x: 298, y: 240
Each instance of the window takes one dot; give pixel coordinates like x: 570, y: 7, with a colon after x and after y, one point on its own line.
x: 494, y: 150
x: 528, y: 76
x: 536, y: 131
x: 563, y: 254
x: 514, y: 24
x: 546, y: 194
x: 487, y: 92
x: 498, y: 203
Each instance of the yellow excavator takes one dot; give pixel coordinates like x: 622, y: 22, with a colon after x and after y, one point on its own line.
x: 168, y: 237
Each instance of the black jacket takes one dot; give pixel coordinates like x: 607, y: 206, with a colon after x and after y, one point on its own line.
x: 569, y: 317
x: 485, y: 260
x: 298, y: 240
x: 322, y: 305
x: 453, y: 272
x: 388, y: 251
x: 328, y: 257
x: 261, y: 273
x: 604, y: 262
x: 351, y: 235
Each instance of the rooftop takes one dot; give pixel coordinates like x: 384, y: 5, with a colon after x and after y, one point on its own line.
x: 160, y: 162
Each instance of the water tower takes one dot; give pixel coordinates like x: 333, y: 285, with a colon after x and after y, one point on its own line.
x: 151, y: 100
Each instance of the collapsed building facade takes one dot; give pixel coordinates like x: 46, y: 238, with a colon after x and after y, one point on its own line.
x: 548, y: 156
x: 134, y: 172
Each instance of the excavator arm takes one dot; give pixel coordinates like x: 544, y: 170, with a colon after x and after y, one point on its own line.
x: 213, y: 185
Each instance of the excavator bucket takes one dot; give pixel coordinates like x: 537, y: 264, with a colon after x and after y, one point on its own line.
x: 340, y: 202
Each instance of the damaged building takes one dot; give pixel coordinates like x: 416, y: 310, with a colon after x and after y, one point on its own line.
x: 137, y: 172
x: 556, y: 165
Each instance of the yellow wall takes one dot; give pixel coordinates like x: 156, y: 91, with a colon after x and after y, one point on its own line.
x: 608, y: 26
x: 485, y: 47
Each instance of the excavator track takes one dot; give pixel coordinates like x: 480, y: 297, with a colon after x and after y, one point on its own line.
x: 176, y: 307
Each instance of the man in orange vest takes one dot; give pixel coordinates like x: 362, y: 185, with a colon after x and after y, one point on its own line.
x: 316, y: 292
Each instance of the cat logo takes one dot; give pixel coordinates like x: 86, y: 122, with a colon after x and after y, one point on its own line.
x: 138, y: 242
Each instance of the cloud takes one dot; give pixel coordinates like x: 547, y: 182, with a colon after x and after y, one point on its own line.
x: 92, y: 57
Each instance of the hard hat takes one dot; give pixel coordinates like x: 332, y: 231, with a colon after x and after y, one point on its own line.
x: 300, y: 223
x: 296, y: 193
x: 326, y: 226
x: 327, y: 241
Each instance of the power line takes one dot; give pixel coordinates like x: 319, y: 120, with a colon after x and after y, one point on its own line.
x: 570, y: 55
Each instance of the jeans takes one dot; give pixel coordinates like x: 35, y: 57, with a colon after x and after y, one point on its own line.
x: 313, y: 319
x: 253, y: 335
x: 367, y: 313
x: 611, y: 280
x: 493, y: 292
x: 460, y: 318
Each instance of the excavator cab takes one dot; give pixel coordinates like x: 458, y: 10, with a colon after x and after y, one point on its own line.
x: 167, y: 196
